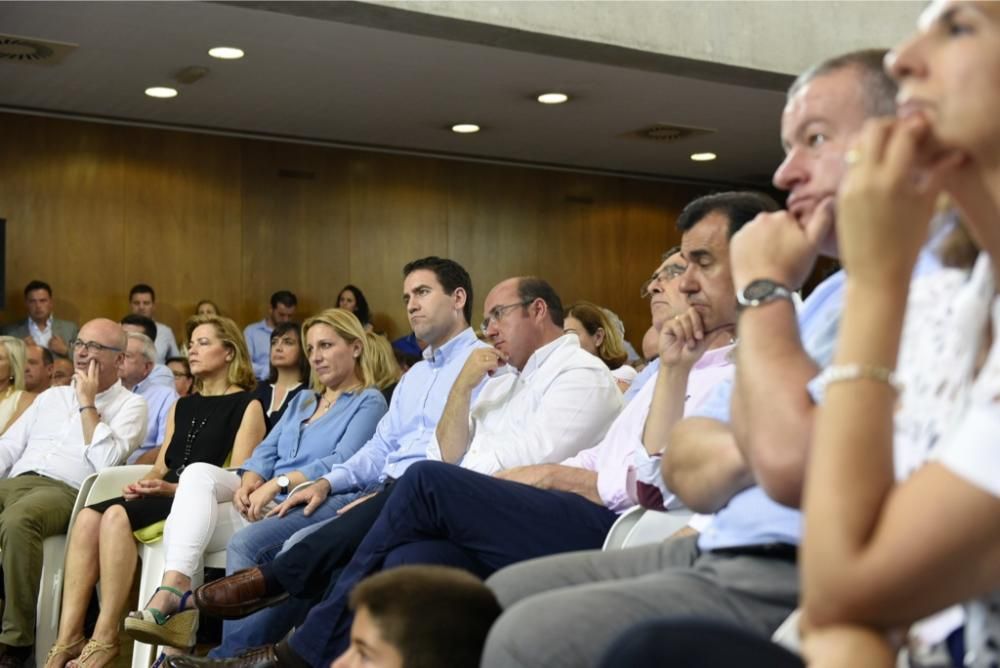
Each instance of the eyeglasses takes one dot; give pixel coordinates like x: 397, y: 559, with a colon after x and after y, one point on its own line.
x: 498, y: 312
x: 671, y: 272
x: 181, y: 374
x: 92, y: 346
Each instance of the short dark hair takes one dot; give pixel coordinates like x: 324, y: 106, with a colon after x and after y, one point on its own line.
x: 279, y: 330
x: 530, y: 288
x: 48, y: 359
x: 362, y: 312
x: 147, y: 324
x: 37, y: 285
x: 142, y: 289
x: 450, y: 274
x: 433, y: 615
x: 285, y: 298
x: 878, y: 88
x: 739, y: 207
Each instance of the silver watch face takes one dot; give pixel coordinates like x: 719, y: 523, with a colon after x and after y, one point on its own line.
x: 283, y: 481
x: 760, y: 289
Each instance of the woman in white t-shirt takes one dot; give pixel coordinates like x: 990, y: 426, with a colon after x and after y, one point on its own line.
x: 877, y: 554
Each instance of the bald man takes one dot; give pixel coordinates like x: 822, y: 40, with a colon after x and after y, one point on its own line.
x: 67, y: 434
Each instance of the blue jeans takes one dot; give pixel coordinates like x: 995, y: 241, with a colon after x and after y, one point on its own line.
x: 259, y: 543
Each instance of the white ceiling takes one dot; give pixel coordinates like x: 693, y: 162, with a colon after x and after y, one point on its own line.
x: 338, y: 79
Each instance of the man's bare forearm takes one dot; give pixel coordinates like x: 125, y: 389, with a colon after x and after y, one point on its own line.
x: 453, y: 428
x: 666, y: 408
x: 573, y: 479
x: 703, y: 466
x: 774, y: 416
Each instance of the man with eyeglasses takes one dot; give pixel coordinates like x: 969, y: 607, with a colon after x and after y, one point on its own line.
x: 664, y: 302
x: 67, y: 434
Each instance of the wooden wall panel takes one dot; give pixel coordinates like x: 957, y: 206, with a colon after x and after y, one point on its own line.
x: 95, y: 208
x: 61, y: 187
x: 399, y: 212
x: 296, y: 226
x: 183, y: 231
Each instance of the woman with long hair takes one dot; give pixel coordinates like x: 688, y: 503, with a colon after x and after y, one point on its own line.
x: 321, y: 428
x: 289, y: 372
x: 14, y: 399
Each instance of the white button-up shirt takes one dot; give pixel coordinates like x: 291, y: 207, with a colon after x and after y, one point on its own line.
x: 41, y: 336
x: 562, y: 402
x: 48, y: 437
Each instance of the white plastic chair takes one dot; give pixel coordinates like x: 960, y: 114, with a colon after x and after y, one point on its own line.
x: 96, y: 487
x: 638, y: 526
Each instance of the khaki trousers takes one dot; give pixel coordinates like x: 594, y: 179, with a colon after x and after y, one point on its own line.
x: 32, y: 508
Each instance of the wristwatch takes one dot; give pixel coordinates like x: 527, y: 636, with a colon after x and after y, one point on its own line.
x: 762, y: 291
x: 283, y: 484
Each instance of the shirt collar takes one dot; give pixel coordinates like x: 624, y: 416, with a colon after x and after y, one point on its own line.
x: 716, y: 357
x: 539, y: 357
x: 441, y: 355
x: 48, y: 323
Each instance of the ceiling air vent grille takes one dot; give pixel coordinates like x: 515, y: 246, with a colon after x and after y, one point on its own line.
x: 14, y: 49
x: 667, y: 134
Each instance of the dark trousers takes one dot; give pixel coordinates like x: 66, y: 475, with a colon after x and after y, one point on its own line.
x: 694, y: 643
x: 307, y: 569
x: 442, y: 514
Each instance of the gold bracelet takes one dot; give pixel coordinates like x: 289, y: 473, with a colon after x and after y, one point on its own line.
x: 849, y: 372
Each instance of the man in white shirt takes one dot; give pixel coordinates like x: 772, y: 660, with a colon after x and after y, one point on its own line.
x: 142, y: 301
x: 64, y: 436
x: 547, y: 399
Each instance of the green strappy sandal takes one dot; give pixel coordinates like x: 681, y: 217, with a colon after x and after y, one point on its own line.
x: 155, y: 628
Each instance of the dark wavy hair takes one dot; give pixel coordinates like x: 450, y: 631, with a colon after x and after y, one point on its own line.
x: 361, y: 309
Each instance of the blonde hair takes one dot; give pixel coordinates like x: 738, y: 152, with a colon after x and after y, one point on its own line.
x: 240, y: 370
x: 17, y: 356
x: 348, y: 327
x: 593, y: 317
x: 386, y: 367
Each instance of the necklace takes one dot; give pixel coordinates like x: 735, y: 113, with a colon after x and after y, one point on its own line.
x: 192, y: 435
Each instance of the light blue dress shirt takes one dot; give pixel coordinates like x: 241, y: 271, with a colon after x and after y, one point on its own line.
x: 258, y: 336
x: 159, y: 399
x: 312, y: 449
x: 404, y: 433
x: 751, y: 517
x: 649, y: 371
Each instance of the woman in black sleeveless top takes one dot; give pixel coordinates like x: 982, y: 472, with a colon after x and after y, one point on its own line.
x: 220, y: 420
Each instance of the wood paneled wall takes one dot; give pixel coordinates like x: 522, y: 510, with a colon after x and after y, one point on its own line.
x: 93, y: 209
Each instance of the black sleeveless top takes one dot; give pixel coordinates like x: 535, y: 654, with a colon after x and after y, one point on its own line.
x: 204, y: 431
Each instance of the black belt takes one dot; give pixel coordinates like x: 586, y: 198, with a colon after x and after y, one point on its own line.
x: 783, y: 551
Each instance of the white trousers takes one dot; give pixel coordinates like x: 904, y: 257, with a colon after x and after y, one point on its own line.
x: 202, y: 518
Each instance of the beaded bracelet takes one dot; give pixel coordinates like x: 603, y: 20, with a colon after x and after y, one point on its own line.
x: 849, y: 372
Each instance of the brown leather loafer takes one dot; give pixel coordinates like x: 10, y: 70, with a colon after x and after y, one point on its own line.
x: 236, y: 596
x: 258, y: 657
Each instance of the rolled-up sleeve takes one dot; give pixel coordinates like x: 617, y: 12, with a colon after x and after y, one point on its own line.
x: 114, y: 440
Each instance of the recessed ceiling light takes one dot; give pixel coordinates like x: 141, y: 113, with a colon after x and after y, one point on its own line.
x: 465, y: 128
x: 553, y: 98
x: 226, y: 52
x: 161, y: 92
x: 703, y: 157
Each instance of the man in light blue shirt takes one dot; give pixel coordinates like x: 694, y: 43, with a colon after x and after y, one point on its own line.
x: 135, y: 372
x: 258, y: 334
x: 438, y: 296
x: 142, y: 301
x: 565, y: 611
